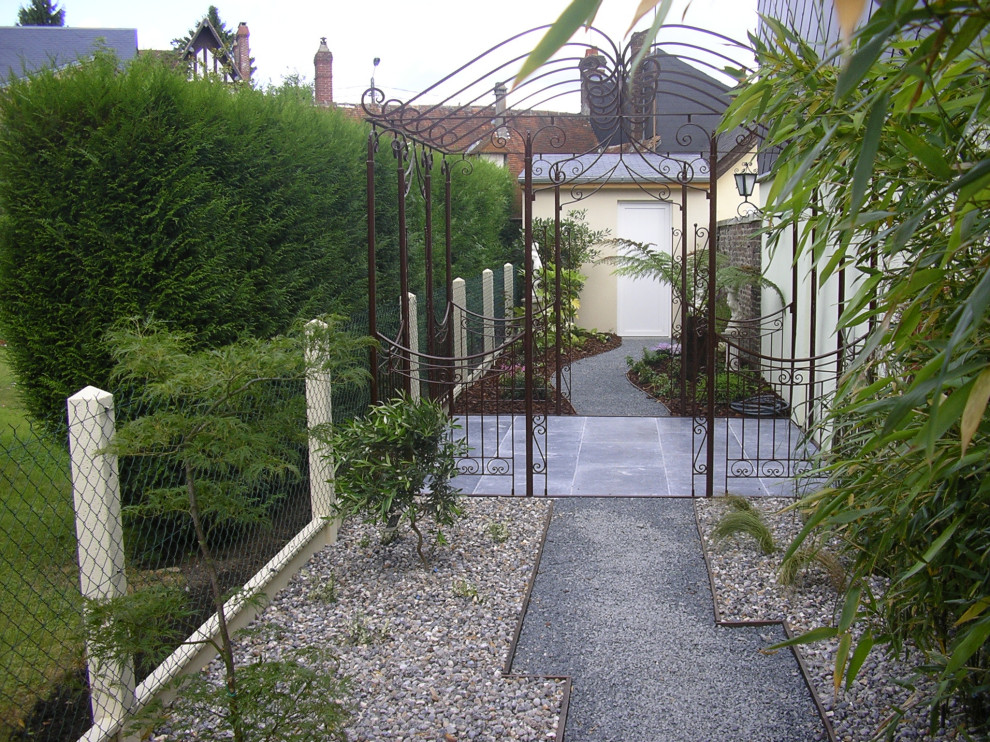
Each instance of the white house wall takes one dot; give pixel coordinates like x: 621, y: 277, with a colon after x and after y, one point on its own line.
x: 599, y: 298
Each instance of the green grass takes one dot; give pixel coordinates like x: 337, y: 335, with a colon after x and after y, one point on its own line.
x: 39, y: 594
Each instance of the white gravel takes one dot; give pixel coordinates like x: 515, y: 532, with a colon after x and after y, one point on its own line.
x: 424, y: 647
x: 746, y: 589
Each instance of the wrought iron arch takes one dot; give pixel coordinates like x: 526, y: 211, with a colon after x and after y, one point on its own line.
x: 653, y: 129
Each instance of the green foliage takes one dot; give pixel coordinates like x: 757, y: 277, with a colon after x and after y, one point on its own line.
x: 885, y: 168
x: 797, y: 562
x: 746, y: 522
x: 296, y: 698
x: 642, y: 260
x: 225, y: 212
x: 498, y: 531
x: 41, y: 13
x: 210, y: 412
x: 396, y: 464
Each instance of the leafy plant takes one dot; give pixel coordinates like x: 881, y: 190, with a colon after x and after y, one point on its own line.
x: 466, y: 589
x: 498, y: 531
x: 210, y: 413
x: 396, y: 465
x: 296, y: 698
x: 884, y: 170
x: 642, y: 260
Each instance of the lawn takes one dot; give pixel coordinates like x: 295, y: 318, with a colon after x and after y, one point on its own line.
x: 39, y: 594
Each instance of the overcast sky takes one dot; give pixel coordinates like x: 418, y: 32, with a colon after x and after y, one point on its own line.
x: 418, y: 41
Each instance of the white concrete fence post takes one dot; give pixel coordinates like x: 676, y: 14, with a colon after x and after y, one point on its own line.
x: 414, y: 383
x: 460, y: 325
x: 488, y: 302
x: 319, y: 416
x: 99, y: 536
x: 509, y: 284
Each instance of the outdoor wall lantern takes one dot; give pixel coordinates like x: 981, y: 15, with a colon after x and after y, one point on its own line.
x: 746, y: 184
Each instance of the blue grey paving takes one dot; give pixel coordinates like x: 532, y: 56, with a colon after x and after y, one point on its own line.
x: 599, y: 385
x: 622, y: 605
x: 622, y: 456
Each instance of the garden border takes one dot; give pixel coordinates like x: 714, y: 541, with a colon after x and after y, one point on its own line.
x: 719, y: 621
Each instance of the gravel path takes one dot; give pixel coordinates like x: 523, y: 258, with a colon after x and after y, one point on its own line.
x: 622, y: 604
x: 746, y: 589
x: 599, y: 385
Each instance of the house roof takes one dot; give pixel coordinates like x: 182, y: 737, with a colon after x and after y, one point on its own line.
x: 27, y: 49
x: 206, y: 37
x: 620, y: 168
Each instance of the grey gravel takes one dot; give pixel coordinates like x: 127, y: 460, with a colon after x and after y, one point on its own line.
x: 433, y: 641
x: 599, y: 385
x: 622, y: 604
x: 747, y: 589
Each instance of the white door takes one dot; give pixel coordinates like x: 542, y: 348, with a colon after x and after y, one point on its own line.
x: 643, y: 308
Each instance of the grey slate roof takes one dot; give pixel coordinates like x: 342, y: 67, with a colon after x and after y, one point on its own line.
x: 628, y: 167
x: 31, y: 48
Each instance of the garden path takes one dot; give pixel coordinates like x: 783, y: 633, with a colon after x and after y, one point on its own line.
x: 622, y: 605
x: 599, y: 385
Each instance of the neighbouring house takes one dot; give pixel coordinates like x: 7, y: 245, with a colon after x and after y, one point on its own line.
x: 27, y: 49
x: 647, y: 180
x: 636, y: 159
x: 817, y: 304
x: 206, y: 53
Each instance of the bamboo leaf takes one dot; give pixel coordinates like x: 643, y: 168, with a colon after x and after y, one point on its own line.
x: 849, y: 13
x: 973, y: 611
x: 861, y: 62
x: 859, y: 655
x: 971, y: 641
x: 976, y: 405
x: 849, y: 608
x: 868, y: 152
x: 841, y: 655
x: 808, y: 637
x: 932, y: 551
x: 645, y: 6
x: 575, y: 15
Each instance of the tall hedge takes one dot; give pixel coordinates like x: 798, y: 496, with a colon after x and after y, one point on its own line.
x: 221, y: 210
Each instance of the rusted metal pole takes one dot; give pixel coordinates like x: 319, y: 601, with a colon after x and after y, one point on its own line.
x: 401, y: 153
x: 712, y: 296
x: 558, y: 318
x: 528, y: 304
x: 428, y: 255
x: 372, y: 286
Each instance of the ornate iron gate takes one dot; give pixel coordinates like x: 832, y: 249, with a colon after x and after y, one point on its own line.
x: 648, y: 133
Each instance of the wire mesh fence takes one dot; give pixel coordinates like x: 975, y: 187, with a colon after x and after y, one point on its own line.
x: 57, y: 528
x: 42, y: 680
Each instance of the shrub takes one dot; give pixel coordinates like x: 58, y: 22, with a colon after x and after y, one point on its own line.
x: 396, y: 464
x: 224, y: 211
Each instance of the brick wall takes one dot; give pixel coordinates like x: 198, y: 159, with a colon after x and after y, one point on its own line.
x: 739, y: 239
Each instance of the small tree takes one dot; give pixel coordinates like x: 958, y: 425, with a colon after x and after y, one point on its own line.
x: 41, y: 13
x: 396, y: 464
x: 212, y: 413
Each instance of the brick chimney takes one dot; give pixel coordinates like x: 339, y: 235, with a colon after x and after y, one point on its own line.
x: 242, y: 51
x: 591, y: 75
x: 323, y: 84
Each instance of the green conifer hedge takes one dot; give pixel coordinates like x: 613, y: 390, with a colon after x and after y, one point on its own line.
x: 221, y: 210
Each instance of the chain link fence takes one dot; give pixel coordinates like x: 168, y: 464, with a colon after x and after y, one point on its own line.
x: 59, y: 533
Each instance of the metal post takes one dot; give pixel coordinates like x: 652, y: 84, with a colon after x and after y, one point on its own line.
x: 428, y: 255
x: 372, y: 288
x: 712, y: 296
x: 100, y: 538
x: 528, y: 303
x: 400, y: 151
x: 558, y: 316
